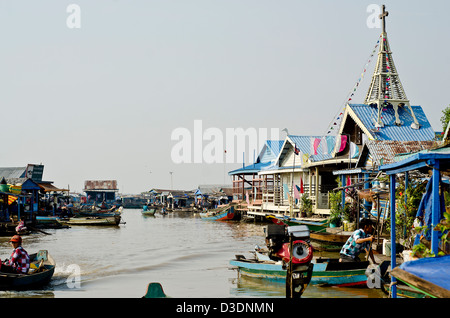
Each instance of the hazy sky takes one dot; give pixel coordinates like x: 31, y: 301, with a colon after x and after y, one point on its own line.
x: 101, y: 101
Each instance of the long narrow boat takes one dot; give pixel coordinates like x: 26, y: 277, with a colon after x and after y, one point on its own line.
x: 94, y: 220
x: 219, y: 214
x: 42, y: 268
x: 425, y: 276
x: 326, y: 271
x: 47, y: 219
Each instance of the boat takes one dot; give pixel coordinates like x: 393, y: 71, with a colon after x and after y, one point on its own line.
x: 329, y: 241
x: 148, y: 211
x: 326, y: 271
x: 314, y: 225
x: 426, y: 277
x: 94, y: 220
x: 98, y: 212
x: 52, y: 220
x: 42, y: 268
x: 220, y: 214
x: 155, y: 290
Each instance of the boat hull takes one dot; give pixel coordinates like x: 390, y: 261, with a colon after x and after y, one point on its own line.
x: 323, y: 274
x: 151, y: 211
x: 220, y: 215
x: 100, y: 221
x: 10, y: 281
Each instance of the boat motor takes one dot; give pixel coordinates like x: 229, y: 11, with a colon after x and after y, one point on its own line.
x: 291, y: 245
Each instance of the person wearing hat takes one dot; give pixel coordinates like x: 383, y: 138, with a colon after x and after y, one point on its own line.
x: 19, y: 261
x: 360, y: 240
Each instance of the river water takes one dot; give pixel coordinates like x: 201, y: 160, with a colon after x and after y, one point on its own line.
x: 187, y: 255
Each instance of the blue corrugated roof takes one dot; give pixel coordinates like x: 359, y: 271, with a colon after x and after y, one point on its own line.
x: 264, y: 160
x: 275, y: 148
x: 368, y: 115
x: 252, y: 168
x: 304, y: 144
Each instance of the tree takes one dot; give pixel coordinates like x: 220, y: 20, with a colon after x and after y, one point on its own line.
x: 445, y: 118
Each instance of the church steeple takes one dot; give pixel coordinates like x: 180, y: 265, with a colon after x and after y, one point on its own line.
x: 386, y: 89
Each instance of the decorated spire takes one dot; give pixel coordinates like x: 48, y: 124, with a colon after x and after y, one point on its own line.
x: 386, y: 89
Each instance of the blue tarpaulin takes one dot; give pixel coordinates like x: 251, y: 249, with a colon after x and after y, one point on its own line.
x: 435, y: 270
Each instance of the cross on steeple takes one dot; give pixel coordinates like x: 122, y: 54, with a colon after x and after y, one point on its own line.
x: 386, y: 89
x: 383, y: 16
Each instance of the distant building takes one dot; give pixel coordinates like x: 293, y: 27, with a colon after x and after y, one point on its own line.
x: 100, y: 190
x: 31, y: 171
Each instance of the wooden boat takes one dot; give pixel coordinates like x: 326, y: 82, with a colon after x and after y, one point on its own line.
x: 220, y: 214
x: 425, y: 277
x: 48, y: 220
x: 314, y: 225
x: 94, y: 220
x: 42, y: 267
x: 98, y: 212
x: 329, y: 241
x: 326, y: 271
x: 149, y: 211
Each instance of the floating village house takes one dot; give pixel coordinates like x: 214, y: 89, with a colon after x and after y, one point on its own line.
x: 98, y: 191
x: 248, y: 185
x: 213, y: 194
x: 21, y: 191
x: 311, y: 164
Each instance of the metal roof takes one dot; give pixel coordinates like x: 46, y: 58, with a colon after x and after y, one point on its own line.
x: 404, y: 132
x: 304, y: 143
x: 13, y: 172
x: 384, y: 151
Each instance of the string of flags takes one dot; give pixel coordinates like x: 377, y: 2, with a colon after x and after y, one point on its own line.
x: 335, y: 124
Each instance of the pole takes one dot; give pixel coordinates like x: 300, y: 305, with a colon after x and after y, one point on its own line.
x: 291, y: 208
x: 393, y: 252
x: 435, y: 212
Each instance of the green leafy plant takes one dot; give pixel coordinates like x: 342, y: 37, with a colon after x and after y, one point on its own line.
x: 335, y: 208
x: 306, y: 206
x: 423, y: 249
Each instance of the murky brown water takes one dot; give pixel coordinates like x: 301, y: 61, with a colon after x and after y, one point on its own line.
x: 187, y: 255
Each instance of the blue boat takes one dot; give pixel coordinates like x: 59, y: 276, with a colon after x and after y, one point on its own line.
x: 326, y: 271
x: 219, y: 214
x: 428, y: 276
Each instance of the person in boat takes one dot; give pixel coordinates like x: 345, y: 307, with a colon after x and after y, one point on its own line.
x: 359, y: 241
x: 19, y: 261
x: 21, y: 226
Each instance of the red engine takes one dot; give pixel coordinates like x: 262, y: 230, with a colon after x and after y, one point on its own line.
x: 302, y: 252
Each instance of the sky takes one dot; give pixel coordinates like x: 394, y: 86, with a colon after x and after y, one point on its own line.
x: 97, y: 91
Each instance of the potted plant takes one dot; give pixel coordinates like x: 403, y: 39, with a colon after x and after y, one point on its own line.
x: 306, y: 207
x: 335, y: 218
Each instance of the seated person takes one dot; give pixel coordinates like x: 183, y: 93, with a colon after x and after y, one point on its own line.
x: 19, y: 262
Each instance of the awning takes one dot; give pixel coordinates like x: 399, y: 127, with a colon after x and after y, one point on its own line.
x: 47, y: 187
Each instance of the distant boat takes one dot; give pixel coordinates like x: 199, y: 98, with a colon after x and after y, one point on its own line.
x: 47, y: 219
x: 42, y: 267
x: 326, y: 271
x: 94, y: 220
x: 148, y: 211
x: 219, y: 214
